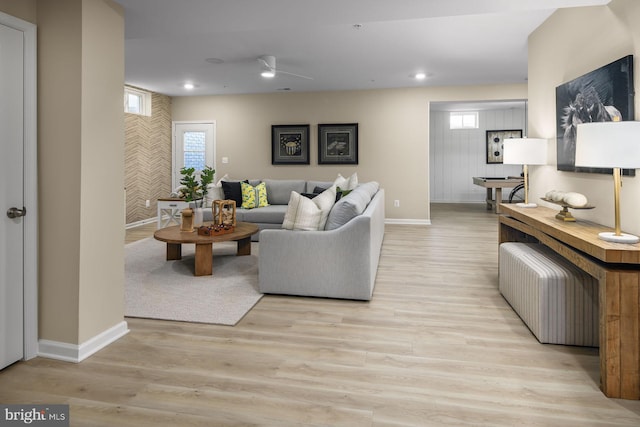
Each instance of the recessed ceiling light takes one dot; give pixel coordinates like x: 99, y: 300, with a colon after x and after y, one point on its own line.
x: 188, y: 86
x: 420, y: 76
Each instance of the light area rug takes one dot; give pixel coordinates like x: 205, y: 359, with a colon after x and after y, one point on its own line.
x: 159, y: 289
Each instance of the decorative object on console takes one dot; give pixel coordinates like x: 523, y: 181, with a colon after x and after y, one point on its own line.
x: 525, y: 152
x: 602, y: 95
x: 224, y: 213
x: 338, y: 144
x: 610, y: 145
x: 187, y: 220
x: 567, y: 200
x: 290, y: 144
x: 495, y: 143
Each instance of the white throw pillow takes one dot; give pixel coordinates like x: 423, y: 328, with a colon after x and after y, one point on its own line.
x: 215, y: 192
x: 309, y: 214
x: 346, y: 183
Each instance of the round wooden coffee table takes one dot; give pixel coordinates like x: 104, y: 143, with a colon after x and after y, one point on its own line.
x: 204, y: 244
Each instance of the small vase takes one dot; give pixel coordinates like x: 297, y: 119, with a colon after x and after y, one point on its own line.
x: 198, y: 214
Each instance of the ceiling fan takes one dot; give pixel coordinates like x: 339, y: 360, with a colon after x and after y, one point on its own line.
x: 269, y: 69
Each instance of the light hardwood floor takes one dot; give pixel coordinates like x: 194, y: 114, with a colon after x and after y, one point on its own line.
x: 436, y: 346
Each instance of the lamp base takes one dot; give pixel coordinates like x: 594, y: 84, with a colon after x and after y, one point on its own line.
x: 526, y: 205
x: 610, y: 236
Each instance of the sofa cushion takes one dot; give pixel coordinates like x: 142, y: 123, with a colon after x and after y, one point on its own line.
x: 312, y: 185
x: 232, y: 191
x: 272, y: 214
x: 347, y: 183
x: 309, y: 214
x: 215, y: 192
x: 253, y: 196
x: 279, y: 190
x: 351, y: 205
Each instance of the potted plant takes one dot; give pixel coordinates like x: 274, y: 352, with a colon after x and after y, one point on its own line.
x: 193, y: 191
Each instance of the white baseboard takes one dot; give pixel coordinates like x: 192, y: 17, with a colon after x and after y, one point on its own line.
x: 78, y: 352
x: 407, y: 221
x: 142, y: 222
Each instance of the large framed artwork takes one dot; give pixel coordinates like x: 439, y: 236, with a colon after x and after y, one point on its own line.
x: 338, y: 144
x: 602, y: 95
x: 495, y: 140
x: 290, y: 144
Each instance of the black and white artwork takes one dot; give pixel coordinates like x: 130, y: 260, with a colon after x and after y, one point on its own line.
x: 603, y: 95
x: 495, y: 143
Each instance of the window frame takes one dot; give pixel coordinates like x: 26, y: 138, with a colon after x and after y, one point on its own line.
x: 143, y: 96
x: 463, y: 115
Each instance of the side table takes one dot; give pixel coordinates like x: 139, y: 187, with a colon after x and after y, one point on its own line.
x: 172, y: 208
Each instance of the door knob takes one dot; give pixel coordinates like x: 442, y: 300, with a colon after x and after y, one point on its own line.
x: 16, y: 213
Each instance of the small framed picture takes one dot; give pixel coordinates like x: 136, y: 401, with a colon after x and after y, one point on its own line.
x: 338, y: 144
x: 290, y: 144
x: 494, y: 143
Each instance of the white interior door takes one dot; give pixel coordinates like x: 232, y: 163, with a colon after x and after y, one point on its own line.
x: 11, y: 194
x: 193, y: 146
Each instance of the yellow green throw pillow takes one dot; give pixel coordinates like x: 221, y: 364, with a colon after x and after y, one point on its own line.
x: 254, y: 197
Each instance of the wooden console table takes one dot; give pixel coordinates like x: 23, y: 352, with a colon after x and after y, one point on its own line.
x: 498, y: 184
x: 616, y: 266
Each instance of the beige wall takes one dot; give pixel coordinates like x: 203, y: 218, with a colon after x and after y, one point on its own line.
x: 101, y: 302
x: 570, y: 43
x: 393, y: 134
x: 80, y: 150
x: 59, y: 150
x: 23, y: 9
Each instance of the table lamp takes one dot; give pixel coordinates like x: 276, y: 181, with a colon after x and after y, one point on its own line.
x: 525, y: 151
x: 610, y: 145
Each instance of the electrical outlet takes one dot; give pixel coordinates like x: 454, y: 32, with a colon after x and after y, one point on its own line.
x: 396, y: 203
x: 148, y: 203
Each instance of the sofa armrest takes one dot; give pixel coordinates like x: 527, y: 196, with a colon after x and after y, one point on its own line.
x: 340, y: 263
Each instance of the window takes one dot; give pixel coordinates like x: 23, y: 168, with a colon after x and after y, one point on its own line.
x: 137, y: 101
x: 194, y: 150
x: 463, y: 120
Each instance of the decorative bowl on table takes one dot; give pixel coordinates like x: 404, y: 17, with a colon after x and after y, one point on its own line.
x: 564, y: 213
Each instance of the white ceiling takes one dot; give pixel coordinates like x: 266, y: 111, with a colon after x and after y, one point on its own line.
x: 456, y: 42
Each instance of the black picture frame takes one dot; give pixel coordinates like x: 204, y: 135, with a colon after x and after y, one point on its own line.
x: 604, y: 94
x: 495, y: 140
x: 290, y: 144
x: 338, y: 144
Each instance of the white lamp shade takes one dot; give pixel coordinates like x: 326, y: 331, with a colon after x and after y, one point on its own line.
x: 524, y: 151
x: 608, y: 145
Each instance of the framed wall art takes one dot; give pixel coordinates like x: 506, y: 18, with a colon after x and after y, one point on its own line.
x: 290, y: 144
x: 494, y: 143
x: 602, y: 95
x: 338, y: 144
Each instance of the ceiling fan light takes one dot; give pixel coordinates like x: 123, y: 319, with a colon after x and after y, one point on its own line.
x: 268, y: 73
x: 420, y: 76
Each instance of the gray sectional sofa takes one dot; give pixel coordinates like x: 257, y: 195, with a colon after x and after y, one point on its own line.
x: 340, y: 261
x: 334, y: 263
x: 278, y: 194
